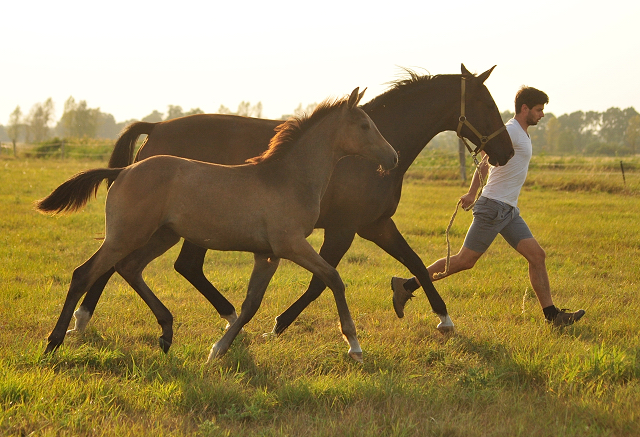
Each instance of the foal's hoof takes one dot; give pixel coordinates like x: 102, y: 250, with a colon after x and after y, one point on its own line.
x: 164, y: 344
x: 446, y: 325
x: 356, y: 356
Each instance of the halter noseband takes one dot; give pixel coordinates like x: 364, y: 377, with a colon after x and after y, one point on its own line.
x: 463, y: 121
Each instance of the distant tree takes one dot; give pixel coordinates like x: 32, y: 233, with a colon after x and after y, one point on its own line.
x: 107, y: 127
x: 632, y: 134
x: 154, y: 117
x: 299, y: 111
x: 614, y: 124
x: 507, y: 115
x: 244, y: 109
x: 551, y: 133
x: 194, y: 111
x: 174, y: 112
x: 13, y: 128
x: 78, y: 120
x: 38, y: 120
x: 224, y: 110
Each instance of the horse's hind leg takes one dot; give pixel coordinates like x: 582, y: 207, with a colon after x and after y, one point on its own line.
x: 263, y: 270
x: 386, y: 235
x: 131, y: 268
x: 189, y: 264
x: 335, y: 245
x: 84, y: 313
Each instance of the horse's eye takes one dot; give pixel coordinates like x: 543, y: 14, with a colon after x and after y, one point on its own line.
x: 365, y: 126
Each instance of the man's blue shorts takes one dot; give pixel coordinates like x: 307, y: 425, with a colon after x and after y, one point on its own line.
x: 492, y: 217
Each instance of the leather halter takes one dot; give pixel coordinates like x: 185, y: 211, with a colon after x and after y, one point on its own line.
x: 462, y: 121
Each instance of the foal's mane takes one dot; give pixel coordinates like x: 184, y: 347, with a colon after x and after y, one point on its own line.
x: 291, y: 130
x: 409, y: 83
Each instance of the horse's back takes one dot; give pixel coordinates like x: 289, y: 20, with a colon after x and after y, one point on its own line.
x: 217, y: 138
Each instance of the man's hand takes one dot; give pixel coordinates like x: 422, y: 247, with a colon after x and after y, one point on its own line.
x: 467, y: 200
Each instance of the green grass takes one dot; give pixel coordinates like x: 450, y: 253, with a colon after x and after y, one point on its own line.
x: 504, y: 373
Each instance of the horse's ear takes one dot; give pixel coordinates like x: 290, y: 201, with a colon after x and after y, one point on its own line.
x: 354, y: 98
x: 360, y: 95
x: 464, y: 70
x: 485, y: 75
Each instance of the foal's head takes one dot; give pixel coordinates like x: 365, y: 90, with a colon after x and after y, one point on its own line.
x: 348, y: 126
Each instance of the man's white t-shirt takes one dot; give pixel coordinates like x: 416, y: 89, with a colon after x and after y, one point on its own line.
x: 505, y: 181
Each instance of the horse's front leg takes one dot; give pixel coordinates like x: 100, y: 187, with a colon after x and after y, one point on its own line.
x: 303, y: 254
x: 265, y: 266
x: 335, y: 245
x: 386, y: 235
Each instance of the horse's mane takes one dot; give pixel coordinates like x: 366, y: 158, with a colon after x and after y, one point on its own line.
x: 408, y: 83
x: 291, y: 130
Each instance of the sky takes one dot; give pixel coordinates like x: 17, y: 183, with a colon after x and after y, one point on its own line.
x: 129, y: 58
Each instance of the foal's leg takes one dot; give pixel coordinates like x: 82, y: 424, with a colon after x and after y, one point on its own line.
x: 386, y: 235
x: 83, y: 276
x: 131, y: 268
x: 303, y: 254
x: 189, y: 264
x: 84, y: 313
x: 263, y: 270
x: 335, y: 245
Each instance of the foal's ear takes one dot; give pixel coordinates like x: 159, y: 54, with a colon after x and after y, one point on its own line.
x: 354, y: 98
x: 485, y: 75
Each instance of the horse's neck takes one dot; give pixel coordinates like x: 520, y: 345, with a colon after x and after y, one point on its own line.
x: 410, y: 127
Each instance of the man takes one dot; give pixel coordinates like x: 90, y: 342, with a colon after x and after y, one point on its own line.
x: 496, y: 212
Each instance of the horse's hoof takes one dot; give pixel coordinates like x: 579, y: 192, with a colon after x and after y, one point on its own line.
x: 230, y: 319
x: 164, y: 345
x: 446, y: 325
x: 279, y: 328
x: 73, y: 331
x: 400, y: 295
x: 51, y: 348
x: 271, y: 334
x: 216, y: 352
x: 356, y: 356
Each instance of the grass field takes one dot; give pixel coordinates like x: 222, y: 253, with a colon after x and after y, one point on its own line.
x: 504, y: 373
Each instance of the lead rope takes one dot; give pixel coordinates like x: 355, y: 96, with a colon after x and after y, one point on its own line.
x: 441, y: 275
x: 462, y: 121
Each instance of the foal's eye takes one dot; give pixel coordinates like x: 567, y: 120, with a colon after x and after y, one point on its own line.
x: 365, y: 126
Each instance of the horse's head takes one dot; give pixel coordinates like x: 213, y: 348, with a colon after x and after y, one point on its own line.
x: 482, y: 116
x: 360, y: 136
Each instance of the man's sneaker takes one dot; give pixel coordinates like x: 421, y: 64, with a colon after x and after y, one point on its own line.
x: 564, y: 318
x: 400, y: 295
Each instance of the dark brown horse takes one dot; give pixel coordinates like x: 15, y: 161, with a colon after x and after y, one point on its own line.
x: 267, y: 207
x: 358, y: 200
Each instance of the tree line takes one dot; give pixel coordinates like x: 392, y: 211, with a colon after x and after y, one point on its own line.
x: 613, y: 132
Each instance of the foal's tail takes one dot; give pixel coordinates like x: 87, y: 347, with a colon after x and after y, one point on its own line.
x: 122, y: 154
x: 75, y: 192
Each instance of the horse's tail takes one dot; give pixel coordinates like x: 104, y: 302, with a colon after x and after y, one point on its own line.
x: 75, y: 192
x: 122, y: 154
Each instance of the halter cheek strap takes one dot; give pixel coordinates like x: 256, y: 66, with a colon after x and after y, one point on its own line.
x: 462, y: 121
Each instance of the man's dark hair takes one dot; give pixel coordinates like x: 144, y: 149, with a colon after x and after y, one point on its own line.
x: 531, y: 97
